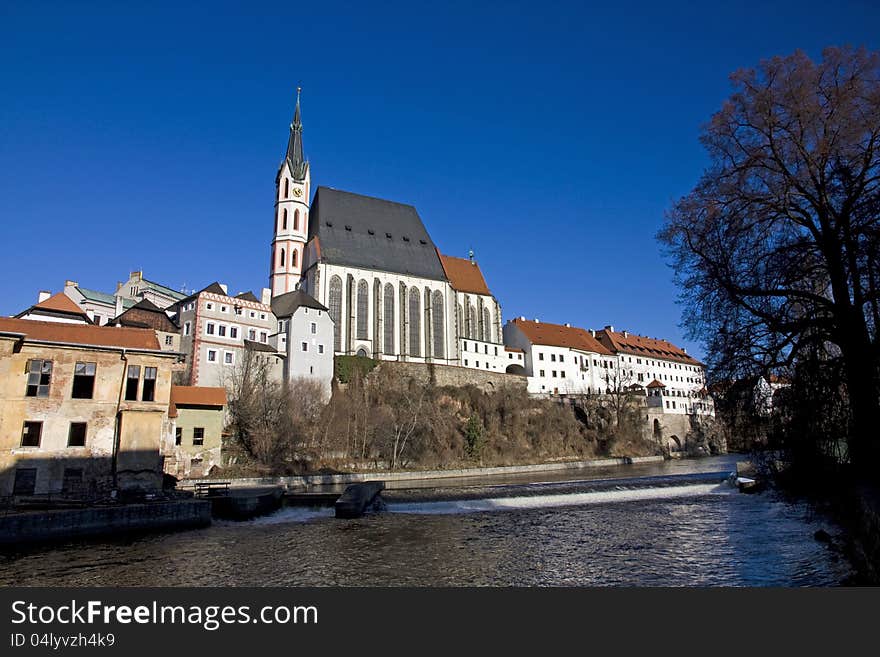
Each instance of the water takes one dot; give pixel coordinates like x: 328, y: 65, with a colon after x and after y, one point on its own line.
x: 645, y: 530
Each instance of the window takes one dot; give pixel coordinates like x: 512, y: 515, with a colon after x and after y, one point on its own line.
x: 209, y: 306
x: 237, y: 310
x: 233, y: 332
x: 540, y: 356
x: 314, y: 328
x: 561, y: 358
x: 363, y: 302
x: 282, y: 258
x: 477, y: 364
x: 252, y: 334
x: 131, y: 382
x: 388, y: 325
x: 186, y: 328
x: 30, y: 434
x: 39, y: 377
x: 228, y: 358
x: 253, y: 314
x: 149, y: 391
x: 465, y: 362
x: 212, y: 355
x: 334, y: 303
x: 438, y: 324
x: 264, y: 337
x: 415, y: 316
x: 178, y: 435
x: 542, y: 373
x: 262, y: 315
x: 209, y: 328
x: 221, y: 330
x: 305, y: 346
x: 72, y: 480
x: 296, y: 220
x: 293, y: 258
x: 562, y: 374
x: 554, y: 374
x: 552, y: 358
x: 224, y: 309
x: 83, y: 381
x: 76, y: 437
x: 286, y: 188
x: 198, y: 436
x: 284, y: 220
x: 25, y: 481
x: 320, y: 349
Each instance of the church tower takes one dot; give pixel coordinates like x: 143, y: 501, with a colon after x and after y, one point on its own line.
x: 292, y: 187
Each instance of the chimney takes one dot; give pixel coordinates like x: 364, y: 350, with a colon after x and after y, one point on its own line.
x: 266, y: 296
x: 626, y: 334
x: 137, y: 275
x: 593, y: 332
x: 536, y: 321
x: 224, y: 288
x: 522, y: 318
x: 684, y: 349
x: 118, y: 306
x: 43, y: 295
x: 609, y: 328
x: 567, y: 325
x: 71, y: 284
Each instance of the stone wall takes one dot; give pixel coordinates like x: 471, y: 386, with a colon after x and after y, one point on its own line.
x: 453, y: 375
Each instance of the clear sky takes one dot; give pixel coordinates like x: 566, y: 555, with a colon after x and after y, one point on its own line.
x: 548, y: 137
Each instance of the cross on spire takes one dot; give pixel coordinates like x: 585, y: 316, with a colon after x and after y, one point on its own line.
x: 295, y: 158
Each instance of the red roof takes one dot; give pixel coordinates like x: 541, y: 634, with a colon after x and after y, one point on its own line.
x: 198, y: 396
x: 557, y: 335
x: 638, y: 345
x: 464, y: 275
x: 655, y: 384
x: 58, y: 303
x: 81, y: 334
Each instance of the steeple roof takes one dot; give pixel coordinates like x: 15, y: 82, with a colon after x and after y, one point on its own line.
x: 295, y: 159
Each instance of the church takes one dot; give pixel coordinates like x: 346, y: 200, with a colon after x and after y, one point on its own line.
x: 390, y: 292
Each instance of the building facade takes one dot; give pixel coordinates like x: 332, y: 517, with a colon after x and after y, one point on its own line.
x: 198, y: 416
x: 306, y: 336
x: 82, y: 408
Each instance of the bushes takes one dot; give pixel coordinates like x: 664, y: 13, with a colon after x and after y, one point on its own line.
x: 351, y: 367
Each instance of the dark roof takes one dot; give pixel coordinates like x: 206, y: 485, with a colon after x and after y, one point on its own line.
x: 370, y: 233
x: 159, y: 319
x: 247, y: 296
x: 213, y: 288
x: 252, y: 345
x: 284, y: 305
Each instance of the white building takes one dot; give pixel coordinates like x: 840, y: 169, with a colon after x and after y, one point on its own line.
x: 306, y: 332
x: 560, y: 359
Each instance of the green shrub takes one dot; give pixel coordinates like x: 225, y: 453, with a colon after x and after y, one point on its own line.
x: 348, y: 367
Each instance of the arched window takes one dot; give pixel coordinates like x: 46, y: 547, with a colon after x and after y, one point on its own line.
x: 282, y: 259
x: 472, y: 325
x: 460, y: 327
x: 415, y: 323
x: 286, y: 188
x: 487, y: 326
x: 438, y: 324
x: 293, y: 255
x: 284, y: 220
x: 334, y: 302
x: 363, y: 304
x: 389, y: 319
x: 296, y: 219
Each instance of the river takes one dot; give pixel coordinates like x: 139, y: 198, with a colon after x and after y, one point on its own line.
x: 666, y: 524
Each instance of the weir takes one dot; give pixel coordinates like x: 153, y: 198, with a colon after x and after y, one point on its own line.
x: 357, y: 497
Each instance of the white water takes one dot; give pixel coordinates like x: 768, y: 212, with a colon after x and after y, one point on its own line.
x: 548, y: 501
x: 284, y: 515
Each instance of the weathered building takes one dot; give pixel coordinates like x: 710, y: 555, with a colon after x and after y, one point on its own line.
x: 145, y: 314
x: 197, y: 421
x: 82, y: 408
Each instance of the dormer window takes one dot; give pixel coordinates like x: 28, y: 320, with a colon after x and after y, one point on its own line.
x: 388, y: 235
x: 348, y: 228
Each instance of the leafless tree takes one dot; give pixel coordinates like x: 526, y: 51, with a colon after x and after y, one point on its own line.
x: 777, y: 248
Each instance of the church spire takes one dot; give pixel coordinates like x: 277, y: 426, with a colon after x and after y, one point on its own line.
x: 295, y: 158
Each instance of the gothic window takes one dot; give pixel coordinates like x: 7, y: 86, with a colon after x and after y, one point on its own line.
x: 472, y: 323
x: 363, y: 302
x: 335, y: 302
x: 286, y: 188
x: 460, y: 326
x: 296, y: 219
x: 284, y: 220
x: 438, y: 325
x: 283, y: 258
x: 389, y: 319
x: 415, y: 314
x: 293, y: 258
x: 487, y: 326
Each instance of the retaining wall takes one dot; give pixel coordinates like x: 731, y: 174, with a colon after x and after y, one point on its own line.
x: 416, y: 475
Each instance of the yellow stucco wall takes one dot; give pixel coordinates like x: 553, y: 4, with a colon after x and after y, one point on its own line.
x: 142, y: 421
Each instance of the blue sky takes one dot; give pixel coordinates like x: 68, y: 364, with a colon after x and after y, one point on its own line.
x: 549, y: 137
